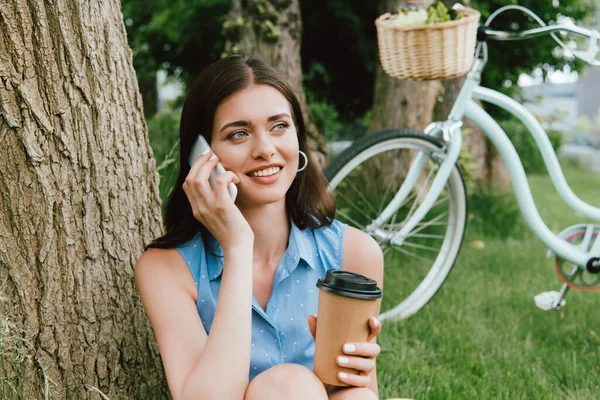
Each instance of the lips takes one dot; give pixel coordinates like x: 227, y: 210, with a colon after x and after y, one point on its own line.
x: 264, y: 168
x: 267, y: 180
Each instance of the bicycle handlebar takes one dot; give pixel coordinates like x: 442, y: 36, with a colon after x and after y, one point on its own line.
x: 535, y: 32
x: 588, y: 56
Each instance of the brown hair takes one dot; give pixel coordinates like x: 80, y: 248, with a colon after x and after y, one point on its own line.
x: 308, y: 202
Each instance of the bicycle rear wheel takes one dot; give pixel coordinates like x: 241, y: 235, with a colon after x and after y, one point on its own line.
x: 366, y: 177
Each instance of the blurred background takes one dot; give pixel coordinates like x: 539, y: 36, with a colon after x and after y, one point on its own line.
x: 481, y: 336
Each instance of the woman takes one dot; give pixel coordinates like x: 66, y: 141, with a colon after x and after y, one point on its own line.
x: 260, y: 257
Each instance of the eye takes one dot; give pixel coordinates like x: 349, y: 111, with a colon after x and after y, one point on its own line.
x: 280, y: 127
x: 237, y: 135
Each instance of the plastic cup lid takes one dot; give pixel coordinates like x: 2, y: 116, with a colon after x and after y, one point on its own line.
x: 350, y: 284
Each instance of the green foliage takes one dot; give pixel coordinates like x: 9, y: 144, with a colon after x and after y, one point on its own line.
x: 326, y: 119
x: 180, y: 36
x: 526, y: 147
x: 481, y: 337
x: 508, y: 60
x: 437, y: 13
x: 163, y: 133
x: 495, y: 214
x: 339, y: 54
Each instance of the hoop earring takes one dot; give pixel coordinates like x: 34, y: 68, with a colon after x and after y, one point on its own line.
x: 305, y: 161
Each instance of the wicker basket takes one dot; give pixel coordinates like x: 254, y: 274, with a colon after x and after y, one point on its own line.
x: 437, y: 51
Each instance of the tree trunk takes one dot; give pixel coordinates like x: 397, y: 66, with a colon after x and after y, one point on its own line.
x: 79, y: 199
x: 488, y: 167
x: 415, y: 104
x: 400, y: 103
x: 272, y: 29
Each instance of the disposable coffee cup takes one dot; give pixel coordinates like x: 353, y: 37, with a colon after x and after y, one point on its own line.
x: 346, y: 302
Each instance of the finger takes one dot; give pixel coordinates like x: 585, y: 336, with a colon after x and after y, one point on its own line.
x: 374, y: 328
x: 199, y: 181
x: 194, y: 168
x: 199, y: 162
x: 354, y: 380
x: 312, y: 325
x: 362, y: 349
x: 223, y: 183
x: 361, y: 364
x: 204, y: 168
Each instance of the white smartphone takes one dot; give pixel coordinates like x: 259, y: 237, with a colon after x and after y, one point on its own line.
x: 201, y: 147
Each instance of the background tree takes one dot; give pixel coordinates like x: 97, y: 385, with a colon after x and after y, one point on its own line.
x: 272, y: 29
x: 79, y: 201
x: 181, y: 37
x: 340, y: 60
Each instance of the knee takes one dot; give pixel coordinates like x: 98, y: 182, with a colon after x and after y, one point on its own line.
x: 355, y: 394
x: 286, y: 381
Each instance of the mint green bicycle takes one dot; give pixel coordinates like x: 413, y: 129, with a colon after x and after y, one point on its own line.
x: 404, y: 188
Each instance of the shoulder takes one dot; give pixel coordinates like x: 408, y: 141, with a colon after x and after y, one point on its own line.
x: 157, y: 268
x: 362, y: 254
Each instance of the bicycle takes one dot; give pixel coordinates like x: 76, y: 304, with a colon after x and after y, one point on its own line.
x: 421, y: 214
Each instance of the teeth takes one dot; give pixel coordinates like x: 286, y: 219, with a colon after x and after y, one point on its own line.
x: 266, y: 172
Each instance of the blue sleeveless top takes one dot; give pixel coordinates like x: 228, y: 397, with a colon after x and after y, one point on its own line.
x: 280, y: 333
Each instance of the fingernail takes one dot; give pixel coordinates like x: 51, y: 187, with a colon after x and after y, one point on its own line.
x: 376, y: 322
x: 343, y: 360
x: 349, y: 348
x: 343, y: 375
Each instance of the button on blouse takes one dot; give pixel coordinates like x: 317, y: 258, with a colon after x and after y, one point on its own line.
x: 280, y: 333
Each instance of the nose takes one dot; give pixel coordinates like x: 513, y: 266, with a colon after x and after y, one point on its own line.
x: 263, y: 146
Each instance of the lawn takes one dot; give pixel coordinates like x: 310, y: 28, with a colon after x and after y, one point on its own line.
x: 482, y: 336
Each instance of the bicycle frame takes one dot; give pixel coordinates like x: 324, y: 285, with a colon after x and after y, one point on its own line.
x: 452, y: 134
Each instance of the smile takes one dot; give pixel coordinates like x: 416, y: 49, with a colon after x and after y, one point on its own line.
x: 266, y: 176
x: 266, y: 172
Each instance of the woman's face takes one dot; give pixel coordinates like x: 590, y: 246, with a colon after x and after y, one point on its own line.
x: 255, y: 138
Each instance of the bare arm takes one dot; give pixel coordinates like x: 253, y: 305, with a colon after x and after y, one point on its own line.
x: 199, y: 366
x: 363, y: 255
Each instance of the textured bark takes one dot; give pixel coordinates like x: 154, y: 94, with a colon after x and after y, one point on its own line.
x: 272, y: 29
x: 415, y: 104
x: 78, y: 200
x: 401, y: 103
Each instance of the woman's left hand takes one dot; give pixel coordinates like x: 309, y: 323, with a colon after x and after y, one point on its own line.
x: 357, y: 355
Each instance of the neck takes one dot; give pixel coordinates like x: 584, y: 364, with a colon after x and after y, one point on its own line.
x: 271, y: 226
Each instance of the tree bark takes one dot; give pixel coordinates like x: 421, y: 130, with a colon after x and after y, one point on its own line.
x: 415, y: 104
x: 400, y: 103
x: 488, y: 167
x: 272, y: 29
x: 79, y: 199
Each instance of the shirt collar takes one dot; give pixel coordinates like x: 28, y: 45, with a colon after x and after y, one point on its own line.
x: 299, y: 248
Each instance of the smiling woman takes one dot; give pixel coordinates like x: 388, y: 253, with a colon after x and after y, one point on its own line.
x: 230, y: 288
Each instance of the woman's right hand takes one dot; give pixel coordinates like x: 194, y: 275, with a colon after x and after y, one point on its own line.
x: 215, y: 209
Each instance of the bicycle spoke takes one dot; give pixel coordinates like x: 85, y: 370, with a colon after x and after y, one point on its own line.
x: 408, y: 253
x: 428, y: 236
x: 419, y: 197
x: 351, y: 203
x: 369, y: 179
x: 439, y: 201
x: 357, y: 225
x: 420, y: 246
x: 426, y: 225
x: 384, y: 197
x: 349, y: 182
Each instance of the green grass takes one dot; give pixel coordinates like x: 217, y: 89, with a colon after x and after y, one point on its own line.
x: 481, y: 336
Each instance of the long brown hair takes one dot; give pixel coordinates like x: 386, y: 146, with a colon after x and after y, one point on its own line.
x: 308, y: 202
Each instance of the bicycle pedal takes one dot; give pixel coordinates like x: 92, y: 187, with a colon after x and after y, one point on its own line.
x: 549, y: 300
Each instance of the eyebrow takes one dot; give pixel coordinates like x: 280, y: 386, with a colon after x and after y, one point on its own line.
x: 247, y: 123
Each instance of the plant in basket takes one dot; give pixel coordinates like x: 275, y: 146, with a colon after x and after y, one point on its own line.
x: 427, y: 43
x: 434, y: 14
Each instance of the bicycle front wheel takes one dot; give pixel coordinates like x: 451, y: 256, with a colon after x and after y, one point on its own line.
x: 366, y: 177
